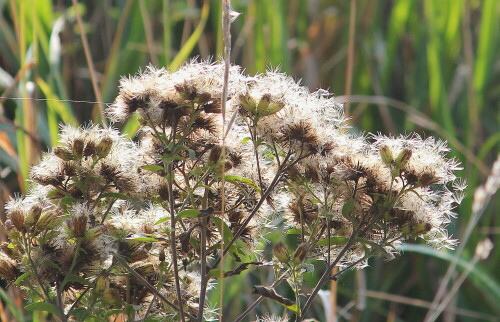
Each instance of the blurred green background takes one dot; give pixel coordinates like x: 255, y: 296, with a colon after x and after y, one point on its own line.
x: 431, y: 67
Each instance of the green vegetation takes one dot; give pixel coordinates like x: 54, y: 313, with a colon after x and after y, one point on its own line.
x: 431, y: 67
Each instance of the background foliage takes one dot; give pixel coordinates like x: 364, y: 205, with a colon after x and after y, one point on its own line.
x: 427, y: 66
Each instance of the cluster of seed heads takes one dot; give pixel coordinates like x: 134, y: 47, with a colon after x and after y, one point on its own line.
x: 200, y: 183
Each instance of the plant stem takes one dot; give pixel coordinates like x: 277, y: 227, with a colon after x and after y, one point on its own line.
x: 173, y: 245
x: 150, y: 287
x: 203, y: 262
x: 326, y: 274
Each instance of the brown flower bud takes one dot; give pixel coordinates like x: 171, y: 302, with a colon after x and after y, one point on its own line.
x: 63, y: 153
x: 300, y: 254
x: 263, y: 107
x: 78, y: 225
x: 8, y: 268
x: 146, y: 269
x: 17, y: 218
x: 386, y: 155
x: 101, y: 283
x: 78, y: 146
x: 103, y: 147
x: 48, y: 220
x: 403, y: 158
x: 281, y: 252
x: 33, y: 215
x: 215, y: 153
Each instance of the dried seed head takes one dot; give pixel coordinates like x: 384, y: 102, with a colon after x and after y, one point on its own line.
x: 78, y: 146
x: 90, y: 149
x: 187, y: 91
x: 427, y: 178
x: 163, y: 191
x: 8, y: 268
x: 77, y: 226
x: 17, y: 216
x: 215, y: 154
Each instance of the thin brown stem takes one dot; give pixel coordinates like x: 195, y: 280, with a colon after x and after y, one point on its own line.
x: 150, y: 287
x: 173, y: 240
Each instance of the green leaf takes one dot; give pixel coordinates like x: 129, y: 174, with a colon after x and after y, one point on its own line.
x: 22, y: 278
x: 190, y: 44
x: 145, y: 238
x: 111, y: 312
x: 294, y: 231
x: 333, y: 241
x: 192, y: 154
x: 79, y: 313
x: 67, y: 200
x: 42, y: 306
x: 348, y: 208
x: 238, y: 180
x: 294, y: 307
x: 162, y: 220
x: 228, y: 234
x: 153, y: 168
x: 76, y: 278
x: 116, y: 195
x: 188, y: 213
x: 245, y: 140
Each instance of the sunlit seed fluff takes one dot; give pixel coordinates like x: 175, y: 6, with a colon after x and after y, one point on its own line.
x: 196, y: 82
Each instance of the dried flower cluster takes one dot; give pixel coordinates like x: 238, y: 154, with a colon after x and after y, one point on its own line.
x: 117, y: 227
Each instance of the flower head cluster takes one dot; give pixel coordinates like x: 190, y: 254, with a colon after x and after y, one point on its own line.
x: 124, y: 219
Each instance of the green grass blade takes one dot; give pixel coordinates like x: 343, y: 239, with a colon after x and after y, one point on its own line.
x: 188, y: 47
x: 487, y: 284
x: 14, y: 310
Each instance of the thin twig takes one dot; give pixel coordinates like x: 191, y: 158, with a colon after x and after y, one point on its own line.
x: 226, y: 37
x: 173, y: 246
x: 150, y: 287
